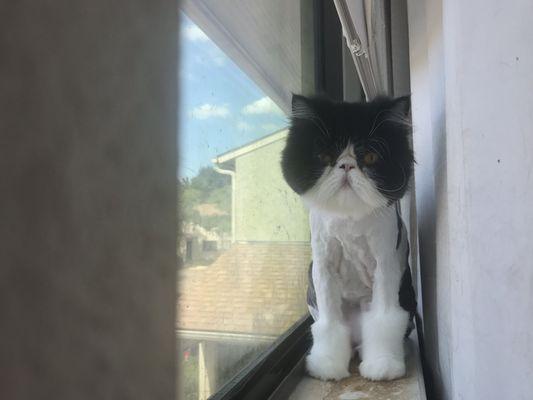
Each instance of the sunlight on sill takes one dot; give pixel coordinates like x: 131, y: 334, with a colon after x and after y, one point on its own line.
x: 411, y: 387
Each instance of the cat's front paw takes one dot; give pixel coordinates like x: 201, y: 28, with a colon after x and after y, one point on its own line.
x: 382, y: 368
x: 326, y: 367
x: 331, y: 352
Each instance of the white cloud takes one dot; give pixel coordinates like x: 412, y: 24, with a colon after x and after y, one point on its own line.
x: 219, y: 61
x: 211, y: 56
x: 207, y: 110
x: 244, y: 126
x: 194, y: 34
x: 262, y: 106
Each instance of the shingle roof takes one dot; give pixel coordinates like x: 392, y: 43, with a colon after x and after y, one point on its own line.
x: 252, y: 288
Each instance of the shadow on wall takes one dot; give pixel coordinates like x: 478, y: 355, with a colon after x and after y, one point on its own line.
x: 430, y: 211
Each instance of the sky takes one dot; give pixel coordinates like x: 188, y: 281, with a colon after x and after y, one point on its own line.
x: 220, y: 107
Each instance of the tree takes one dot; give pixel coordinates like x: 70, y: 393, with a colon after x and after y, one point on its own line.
x: 207, y: 187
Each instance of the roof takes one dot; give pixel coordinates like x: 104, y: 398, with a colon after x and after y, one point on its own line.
x: 209, y: 209
x: 251, y: 146
x: 252, y: 288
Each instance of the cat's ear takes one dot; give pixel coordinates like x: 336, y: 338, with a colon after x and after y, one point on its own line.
x: 301, y: 105
x: 401, y: 106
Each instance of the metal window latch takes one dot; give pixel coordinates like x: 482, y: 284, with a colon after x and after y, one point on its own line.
x: 353, y: 41
x: 355, y: 47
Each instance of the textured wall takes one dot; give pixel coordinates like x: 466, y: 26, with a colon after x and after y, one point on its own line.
x: 472, y: 116
x: 87, y: 199
x: 429, y: 140
x: 266, y: 207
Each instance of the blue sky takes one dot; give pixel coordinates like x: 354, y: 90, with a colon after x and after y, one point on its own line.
x: 220, y: 107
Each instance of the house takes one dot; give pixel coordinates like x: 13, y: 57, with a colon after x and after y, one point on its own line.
x: 200, y: 246
x: 261, y: 194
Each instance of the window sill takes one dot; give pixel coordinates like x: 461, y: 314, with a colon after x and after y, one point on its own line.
x: 411, y: 387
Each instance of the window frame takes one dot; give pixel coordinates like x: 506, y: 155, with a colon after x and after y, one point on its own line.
x: 274, y: 372
x: 264, y: 375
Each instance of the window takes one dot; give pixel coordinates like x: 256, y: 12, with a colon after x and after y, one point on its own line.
x: 209, y: 245
x: 188, y: 250
x: 244, y: 235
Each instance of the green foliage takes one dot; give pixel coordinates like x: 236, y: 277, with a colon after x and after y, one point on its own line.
x: 208, y: 179
x: 220, y: 222
x: 208, y: 187
x: 221, y: 197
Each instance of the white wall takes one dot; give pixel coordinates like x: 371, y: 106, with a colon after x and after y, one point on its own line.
x: 472, y: 87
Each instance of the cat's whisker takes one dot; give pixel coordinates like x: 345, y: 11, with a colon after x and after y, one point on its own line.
x: 400, y: 121
x: 305, y: 114
x: 378, y: 125
x: 382, y: 143
x: 323, y: 124
x: 312, y: 120
x: 376, y: 118
x: 404, y: 182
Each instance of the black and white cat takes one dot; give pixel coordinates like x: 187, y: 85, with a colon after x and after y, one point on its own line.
x: 351, y: 164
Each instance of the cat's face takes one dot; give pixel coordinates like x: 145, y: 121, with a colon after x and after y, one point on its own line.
x: 349, y: 158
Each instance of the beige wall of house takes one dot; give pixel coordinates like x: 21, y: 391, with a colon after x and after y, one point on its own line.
x: 266, y: 207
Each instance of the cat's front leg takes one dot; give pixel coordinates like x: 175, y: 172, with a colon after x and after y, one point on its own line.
x: 331, y: 351
x: 384, y: 324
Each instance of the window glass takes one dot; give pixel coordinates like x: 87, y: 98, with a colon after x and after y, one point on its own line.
x: 243, y: 245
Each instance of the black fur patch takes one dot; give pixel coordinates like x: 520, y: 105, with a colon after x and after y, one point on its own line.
x: 399, y: 223
x: 406, y: 295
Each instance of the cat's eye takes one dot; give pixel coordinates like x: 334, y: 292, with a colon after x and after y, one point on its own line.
x: 370, y: 158
x: 325, y: 158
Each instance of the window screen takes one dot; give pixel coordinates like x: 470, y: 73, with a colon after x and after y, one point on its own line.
x: 244, y: 238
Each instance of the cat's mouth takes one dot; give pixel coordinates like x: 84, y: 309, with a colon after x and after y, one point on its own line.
x: 345, y: 185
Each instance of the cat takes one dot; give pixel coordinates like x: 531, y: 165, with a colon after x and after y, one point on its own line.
x: 351, y: 163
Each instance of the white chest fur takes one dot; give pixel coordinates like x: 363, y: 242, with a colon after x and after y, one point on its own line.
x: 350, y: 248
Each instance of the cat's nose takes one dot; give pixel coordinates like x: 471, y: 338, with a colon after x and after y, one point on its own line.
x: 347, y: 166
